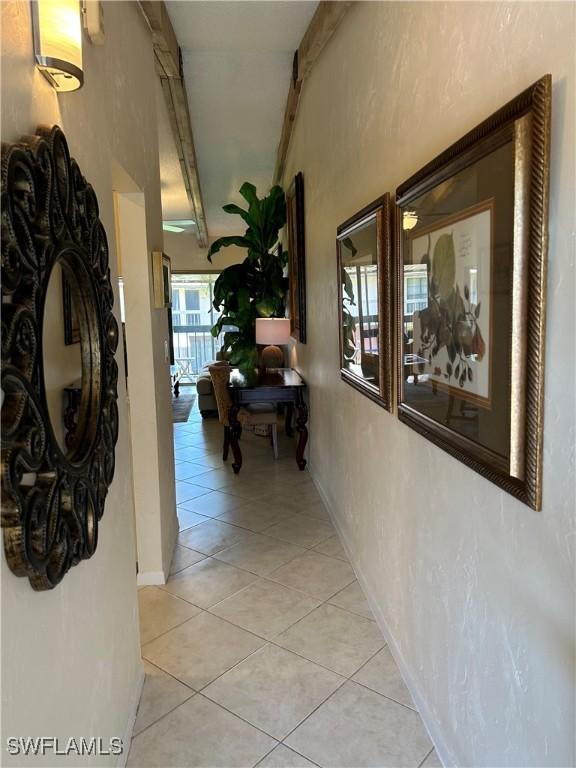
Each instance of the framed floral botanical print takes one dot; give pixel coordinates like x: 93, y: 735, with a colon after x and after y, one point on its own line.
x: 470, y: 305
x: 296, y: 258
x: 364, y: 301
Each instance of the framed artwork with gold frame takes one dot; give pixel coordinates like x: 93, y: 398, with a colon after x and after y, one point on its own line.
x: 470, y: 302
x: 364, y: 255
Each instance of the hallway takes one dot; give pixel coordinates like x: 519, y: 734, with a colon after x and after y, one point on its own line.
x: 379, y: 196
x: 261, y: 648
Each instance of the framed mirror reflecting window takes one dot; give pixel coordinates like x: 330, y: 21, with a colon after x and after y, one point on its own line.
x: 364, y: 301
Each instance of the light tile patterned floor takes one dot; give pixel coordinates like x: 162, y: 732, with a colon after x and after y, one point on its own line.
x: 261, y: 649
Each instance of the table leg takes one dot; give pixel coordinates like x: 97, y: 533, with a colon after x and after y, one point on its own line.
x: 235, y: 432
x: 301, y: 420
x: 288, y: 420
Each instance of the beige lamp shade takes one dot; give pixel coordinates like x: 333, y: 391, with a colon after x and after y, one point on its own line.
x: 272, y: 330
x: 58, y: 42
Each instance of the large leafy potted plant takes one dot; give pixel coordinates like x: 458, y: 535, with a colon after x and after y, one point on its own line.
x: 256, y: 287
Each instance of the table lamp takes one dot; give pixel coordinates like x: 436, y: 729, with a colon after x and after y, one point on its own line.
x: 271, y: 331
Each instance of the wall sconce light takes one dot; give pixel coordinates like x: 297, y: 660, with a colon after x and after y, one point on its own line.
x: 57, y: 28
x: 409, y: 219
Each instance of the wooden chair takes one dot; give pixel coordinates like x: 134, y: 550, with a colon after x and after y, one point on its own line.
x: 250, y: 415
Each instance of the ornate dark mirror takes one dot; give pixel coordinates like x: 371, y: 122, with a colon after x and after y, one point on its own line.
x: 59, y: 376
x: 364, y: 293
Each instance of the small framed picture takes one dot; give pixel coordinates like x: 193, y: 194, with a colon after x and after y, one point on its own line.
x: 162, y: 277
x: 471, y: 265
x: 363, y: 246
x: 296, y: 258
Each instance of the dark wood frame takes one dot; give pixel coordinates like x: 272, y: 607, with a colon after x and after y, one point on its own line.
x: 489, y: 135
x: 381, y: 210
x: 297, y: 259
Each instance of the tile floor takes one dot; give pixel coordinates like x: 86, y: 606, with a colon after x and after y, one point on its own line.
x: 261, y: 649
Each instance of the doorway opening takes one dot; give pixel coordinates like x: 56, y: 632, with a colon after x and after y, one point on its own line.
x: 193, y: 316
x: 152, y: 476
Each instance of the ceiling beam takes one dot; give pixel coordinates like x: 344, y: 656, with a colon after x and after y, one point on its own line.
x: 324, y: 23
x: 169, y: 66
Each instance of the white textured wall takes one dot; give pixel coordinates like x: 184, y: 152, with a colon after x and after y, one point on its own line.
x: 474, y: 589
x: 70, y: 657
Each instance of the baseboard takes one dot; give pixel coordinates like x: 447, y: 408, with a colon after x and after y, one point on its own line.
x: 157, y: 578
x: 135, y: 701
x: 173, y: 545
x: 430, y: 723
x: 150, y: 578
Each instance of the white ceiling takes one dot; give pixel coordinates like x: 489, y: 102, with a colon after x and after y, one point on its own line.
x: 237, y: 59
x: 175, y: 203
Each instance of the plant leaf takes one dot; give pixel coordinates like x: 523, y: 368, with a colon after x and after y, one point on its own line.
x: 224, y: 242
x: 348, y: 286
x: 444, y: 265
x: 347, y: 243
x: 248, y: 192
x: 235, y: 209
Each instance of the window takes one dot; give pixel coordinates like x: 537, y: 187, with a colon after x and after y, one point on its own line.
x: 192, y: 319
x: 473, y: 284
x: 192, y: 297
x: 415, y: 288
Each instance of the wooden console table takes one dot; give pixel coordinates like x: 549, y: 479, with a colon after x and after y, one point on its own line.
x: 277, y: 385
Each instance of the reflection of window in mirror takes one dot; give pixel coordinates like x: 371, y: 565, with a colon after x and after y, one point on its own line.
x: 415, y: 288
x: 361, y: 245
x: 473, y: 284
x: 360, y: 301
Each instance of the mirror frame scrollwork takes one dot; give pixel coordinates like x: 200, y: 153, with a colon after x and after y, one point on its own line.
x: 52, y: 501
